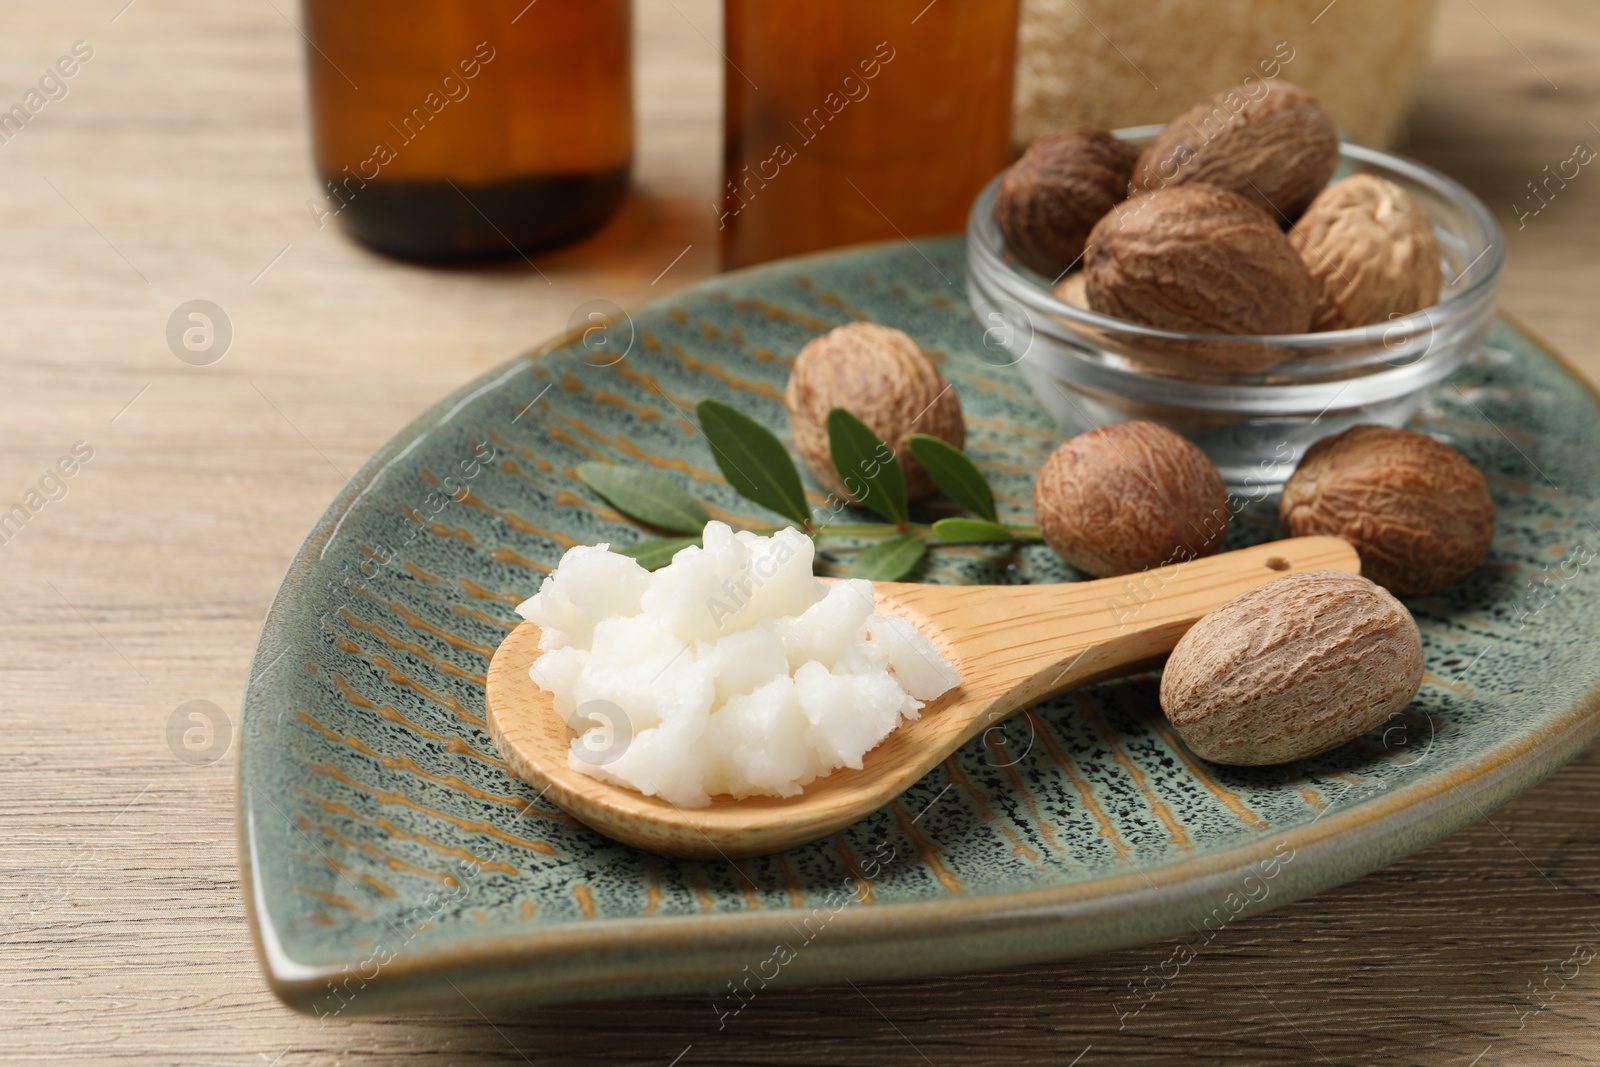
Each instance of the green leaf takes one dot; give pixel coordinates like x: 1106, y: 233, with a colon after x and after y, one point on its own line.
x: 889, y: 561
x: 970, y: 532
x: 956, y: 474
x: 651, y: 498
x: 869, y: 468
x: 753, y: 460
x: 658, y: 551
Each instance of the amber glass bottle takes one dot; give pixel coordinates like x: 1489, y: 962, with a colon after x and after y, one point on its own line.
x: 848, y: 121
x: 452, y: 129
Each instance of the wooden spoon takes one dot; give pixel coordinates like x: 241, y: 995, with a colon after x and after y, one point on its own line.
x: 1013, y: 644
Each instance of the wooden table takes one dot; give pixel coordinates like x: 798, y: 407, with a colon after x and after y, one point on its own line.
x: 176, y: 169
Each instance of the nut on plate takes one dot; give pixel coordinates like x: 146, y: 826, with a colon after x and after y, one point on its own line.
x: 1369, y: 247
x: 1292, y: 668
x: 1417, y: 511
x: 1198, y: 258
x: 1273, y: 143
x: 882, y: 377
x: 1051, y: 198
x: 1127, y: 497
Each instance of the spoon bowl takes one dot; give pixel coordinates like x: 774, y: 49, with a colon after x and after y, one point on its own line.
x: 1013, y: 645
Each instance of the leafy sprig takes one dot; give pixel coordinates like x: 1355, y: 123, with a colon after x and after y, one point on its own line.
x: 869, y: 468
x: 651, y: 498
x: 758, y: 466
x: 753, y: 460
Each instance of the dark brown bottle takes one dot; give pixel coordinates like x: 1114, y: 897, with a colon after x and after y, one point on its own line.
x: 848, y: 121
x: 463, y: 129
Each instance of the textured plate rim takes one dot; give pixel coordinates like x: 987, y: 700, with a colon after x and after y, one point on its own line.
x: 882, y: 941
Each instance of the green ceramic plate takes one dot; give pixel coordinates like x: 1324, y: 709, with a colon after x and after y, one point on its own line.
x: 391, y: 861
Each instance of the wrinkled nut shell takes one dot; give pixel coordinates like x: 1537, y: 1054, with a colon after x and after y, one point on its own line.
x: 1051, y: 198
x: 1200, y: 259
x: 1417, y: 511
x: 1127, y: 497
x: 882, y: 377
x: 1369, y: 247
x: 1292, y: 668
x: 1273, y: 143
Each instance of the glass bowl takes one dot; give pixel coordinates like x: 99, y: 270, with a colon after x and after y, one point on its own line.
x: 1089, y: 370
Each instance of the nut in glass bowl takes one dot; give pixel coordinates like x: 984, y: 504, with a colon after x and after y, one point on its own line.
x: 1089, y: 369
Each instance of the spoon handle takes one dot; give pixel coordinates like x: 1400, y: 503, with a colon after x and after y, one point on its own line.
x: 1016, y: 645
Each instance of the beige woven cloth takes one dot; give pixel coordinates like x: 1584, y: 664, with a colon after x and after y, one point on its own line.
x: 1113, y: 63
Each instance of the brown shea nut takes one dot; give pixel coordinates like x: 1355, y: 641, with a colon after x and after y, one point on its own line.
x: 1072, y: 290
x: 1292, y: 668
x: 1418, y: 513
x: 1369, y: 247
x: 1051, y: 198
x: 882, y: 377
x: 1272, y: 142
x: 1200, y: 259
x: 1127, y: 497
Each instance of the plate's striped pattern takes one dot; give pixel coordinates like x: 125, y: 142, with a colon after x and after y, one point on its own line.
x: 381, y: 815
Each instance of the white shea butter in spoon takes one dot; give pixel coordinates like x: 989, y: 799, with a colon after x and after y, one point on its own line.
x: 731, y: 670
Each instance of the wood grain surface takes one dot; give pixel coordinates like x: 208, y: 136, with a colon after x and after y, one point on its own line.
x: 176, y: 168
